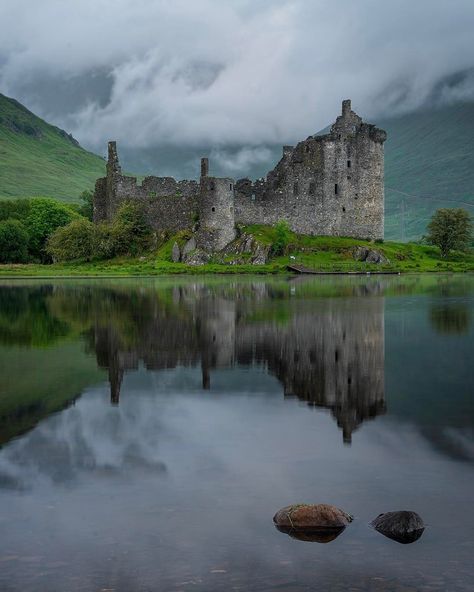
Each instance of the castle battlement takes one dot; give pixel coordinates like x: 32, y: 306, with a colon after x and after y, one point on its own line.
x: 331, y: 184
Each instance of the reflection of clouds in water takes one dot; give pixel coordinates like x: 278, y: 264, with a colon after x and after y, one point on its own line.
x: 89, y: 437
x: 233, y: 460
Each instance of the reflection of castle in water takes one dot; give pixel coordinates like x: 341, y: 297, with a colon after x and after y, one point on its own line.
x: 328, y: 352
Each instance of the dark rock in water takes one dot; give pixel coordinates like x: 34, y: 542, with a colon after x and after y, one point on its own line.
x: 322, y: 535
x: 311, y: 517
x: 403, y: 527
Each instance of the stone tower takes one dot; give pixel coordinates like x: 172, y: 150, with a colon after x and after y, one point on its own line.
x: 331, y: 184
x: 216, y: 210
x: 354, y: 176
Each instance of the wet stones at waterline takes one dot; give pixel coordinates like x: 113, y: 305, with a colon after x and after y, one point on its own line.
x: 320, y: 523
x: 403, y: 526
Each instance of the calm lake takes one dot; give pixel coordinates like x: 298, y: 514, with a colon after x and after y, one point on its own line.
x: 150, y: 429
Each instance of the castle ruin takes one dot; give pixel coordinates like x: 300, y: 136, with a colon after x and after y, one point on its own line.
x: 331, y: 184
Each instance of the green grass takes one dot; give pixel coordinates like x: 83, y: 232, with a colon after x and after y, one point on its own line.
x: 323, y: 253
x: 39, y: 159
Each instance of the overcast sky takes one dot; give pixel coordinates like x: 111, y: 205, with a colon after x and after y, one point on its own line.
x: 227, y: 72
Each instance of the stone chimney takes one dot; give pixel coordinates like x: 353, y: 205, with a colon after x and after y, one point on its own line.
x: 346, y: 107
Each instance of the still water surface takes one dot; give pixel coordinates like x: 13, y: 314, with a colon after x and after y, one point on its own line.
x: 150, y: 429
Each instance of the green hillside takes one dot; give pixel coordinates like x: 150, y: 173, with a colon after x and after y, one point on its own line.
x: 39, y: 159
x: 429, y: 164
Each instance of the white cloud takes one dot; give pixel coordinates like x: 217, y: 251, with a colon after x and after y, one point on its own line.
x: 230, y: 72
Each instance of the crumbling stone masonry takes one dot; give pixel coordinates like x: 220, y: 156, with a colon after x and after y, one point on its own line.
x: 326, y: 185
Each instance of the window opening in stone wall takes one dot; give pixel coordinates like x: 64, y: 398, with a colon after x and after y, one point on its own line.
x: 312, y: 187
x: 213, y: 209
x: 212, y: 185
x: 295, y: 188
x: 253, y: 196
x: 336, y: 189
x: 343, y: 209
x: 348, y: 164
x: 230, y: 186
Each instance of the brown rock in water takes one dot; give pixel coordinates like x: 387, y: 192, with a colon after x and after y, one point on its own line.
x: 311, y: 517
x: 322, y: 535
x: 403, y: 526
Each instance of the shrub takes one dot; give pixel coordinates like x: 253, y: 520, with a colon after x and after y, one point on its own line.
x: 73, y: 241
x: 17, y: 209
x: 86, y: 209
x: 44, y: 217
x: 104, y: 241
x: 130, y: 230
x: 13, y: 242
x: 450, y: 228
x: 282, y: 238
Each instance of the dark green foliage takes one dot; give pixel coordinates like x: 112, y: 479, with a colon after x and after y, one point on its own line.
x: 17, y: 209
x: 131, y: 232
x: 282, y: 238
x: 72, y: 242
x: 86, y: 209
x: 13, y: 242
x: 450, y: 229
x: 44, y: 217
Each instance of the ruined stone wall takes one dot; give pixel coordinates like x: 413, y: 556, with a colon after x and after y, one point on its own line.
x: 326, y: 185
x: 168, y: 204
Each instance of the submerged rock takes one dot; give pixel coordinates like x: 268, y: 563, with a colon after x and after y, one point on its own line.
x: 403, y: 526
x: 311, y: 517
x: 322, y: 535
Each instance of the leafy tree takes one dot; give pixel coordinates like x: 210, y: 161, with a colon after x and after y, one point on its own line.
x: 131, y: 232
x: 450, y: 228
x: 17, y: 209
x: 13, y: 242
x: 44, y: 217
x: 73, y: 241
x: 86, y: 209
x: 282, y: 238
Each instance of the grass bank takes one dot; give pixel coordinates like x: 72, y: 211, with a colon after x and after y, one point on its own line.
x: 325, y: 254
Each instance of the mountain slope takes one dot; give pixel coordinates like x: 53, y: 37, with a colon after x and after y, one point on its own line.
x: 39, y: 159
x: 429, y: 164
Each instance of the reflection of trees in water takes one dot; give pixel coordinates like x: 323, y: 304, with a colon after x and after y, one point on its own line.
x: 25, y: 318
x: 450, y: 318
x: 327, y: 351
